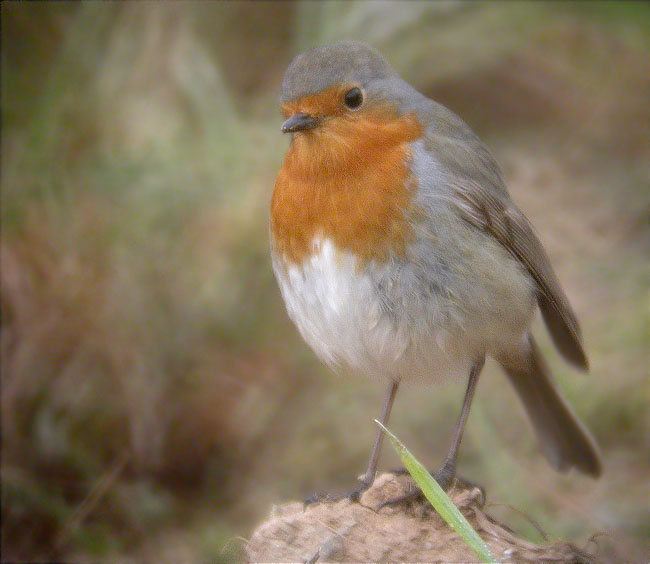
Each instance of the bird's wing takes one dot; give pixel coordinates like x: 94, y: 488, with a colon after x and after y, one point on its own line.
x: 480, y: 197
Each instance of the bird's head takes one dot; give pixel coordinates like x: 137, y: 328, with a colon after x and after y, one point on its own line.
x: 344, y: 96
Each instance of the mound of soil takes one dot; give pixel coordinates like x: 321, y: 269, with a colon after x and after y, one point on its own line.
x: 343, y: 531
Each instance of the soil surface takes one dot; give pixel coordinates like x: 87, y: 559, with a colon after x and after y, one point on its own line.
x: 343, y: 531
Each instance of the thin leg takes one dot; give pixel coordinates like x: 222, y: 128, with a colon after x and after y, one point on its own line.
x: 446, y: 474
x: 452, y: 455
x: 369, y: 476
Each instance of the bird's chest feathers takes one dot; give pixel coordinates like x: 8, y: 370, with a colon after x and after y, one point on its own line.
x: 348, y: 183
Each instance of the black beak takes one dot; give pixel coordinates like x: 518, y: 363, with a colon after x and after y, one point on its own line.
x: 299, y: 122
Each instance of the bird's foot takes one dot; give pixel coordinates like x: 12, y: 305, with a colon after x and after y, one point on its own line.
x: 353, y: 495
x: 446, y: 478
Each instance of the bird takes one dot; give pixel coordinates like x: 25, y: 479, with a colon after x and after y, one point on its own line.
x: 401, y: 256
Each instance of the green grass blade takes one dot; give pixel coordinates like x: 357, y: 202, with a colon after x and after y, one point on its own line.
x: 440, y: 500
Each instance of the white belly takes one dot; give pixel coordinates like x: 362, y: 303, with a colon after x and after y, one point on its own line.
x: 340, y: 312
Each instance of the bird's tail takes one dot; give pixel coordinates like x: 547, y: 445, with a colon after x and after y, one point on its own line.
x: 566, y: 443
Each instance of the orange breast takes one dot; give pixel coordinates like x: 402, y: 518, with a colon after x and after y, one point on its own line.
x: 347, y: 180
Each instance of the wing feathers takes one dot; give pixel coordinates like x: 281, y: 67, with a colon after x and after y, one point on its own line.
x: 511, y: 228
x: 480, y: 196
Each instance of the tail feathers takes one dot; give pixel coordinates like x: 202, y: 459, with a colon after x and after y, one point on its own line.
x: 566, y: 443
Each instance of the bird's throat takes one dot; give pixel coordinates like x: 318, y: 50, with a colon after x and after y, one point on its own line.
x: 349, y: 182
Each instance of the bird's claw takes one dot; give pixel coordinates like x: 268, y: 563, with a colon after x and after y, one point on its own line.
x: 353, y: 495
x: 446, y: 478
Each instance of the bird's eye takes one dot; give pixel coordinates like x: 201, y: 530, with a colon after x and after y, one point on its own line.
x: 353, y: 98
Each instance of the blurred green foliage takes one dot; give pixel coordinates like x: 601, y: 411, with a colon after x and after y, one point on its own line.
x: 155, y: 399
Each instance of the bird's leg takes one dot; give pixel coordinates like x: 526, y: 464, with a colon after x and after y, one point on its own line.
x: 369, y: 477
x: 446, y: 473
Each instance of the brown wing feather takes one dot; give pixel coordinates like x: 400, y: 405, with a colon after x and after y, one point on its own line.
x: 481, y: 198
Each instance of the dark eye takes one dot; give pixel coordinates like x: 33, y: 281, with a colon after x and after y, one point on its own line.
x: 353, y: 98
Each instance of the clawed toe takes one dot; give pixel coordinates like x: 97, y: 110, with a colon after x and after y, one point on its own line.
x: 353, y: 495
x: 318, y: 498
x: 445, y: 476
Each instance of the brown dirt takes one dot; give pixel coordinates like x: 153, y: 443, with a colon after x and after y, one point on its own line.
x: 343, y: 531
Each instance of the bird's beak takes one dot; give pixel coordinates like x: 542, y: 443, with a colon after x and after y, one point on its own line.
x: 299, y: 122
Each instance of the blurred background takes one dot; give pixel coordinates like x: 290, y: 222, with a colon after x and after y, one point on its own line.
x: 156, y: 399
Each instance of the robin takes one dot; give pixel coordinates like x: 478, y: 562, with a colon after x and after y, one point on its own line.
x: 400, y: 255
